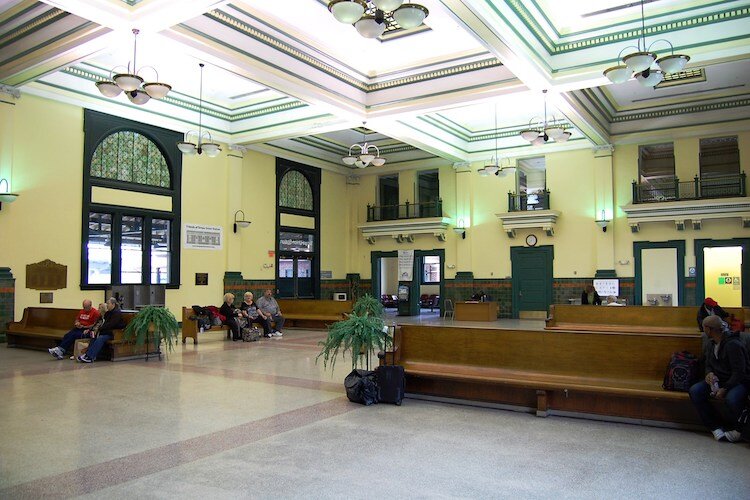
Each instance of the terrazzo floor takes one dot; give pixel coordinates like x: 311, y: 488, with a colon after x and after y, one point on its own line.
x: 263, y: 420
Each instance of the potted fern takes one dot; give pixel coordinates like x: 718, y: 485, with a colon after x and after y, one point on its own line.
x: 360, y: 334
x: 152, y: 325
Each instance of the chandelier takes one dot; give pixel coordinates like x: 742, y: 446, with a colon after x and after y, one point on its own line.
x: 132, y: 83
x: 639, y: 63
x: 540, y: 131
x: 200, y: 146
x: 371, y: 18
x: 497, y: 166
x: 365, y: 157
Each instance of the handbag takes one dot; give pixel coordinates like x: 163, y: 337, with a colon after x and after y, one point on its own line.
x: 80, y: 347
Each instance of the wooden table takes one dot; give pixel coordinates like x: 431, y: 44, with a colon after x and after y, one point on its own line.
x: 476, y: 311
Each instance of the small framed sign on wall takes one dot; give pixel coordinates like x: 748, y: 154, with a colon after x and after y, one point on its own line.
x: 201, y: 279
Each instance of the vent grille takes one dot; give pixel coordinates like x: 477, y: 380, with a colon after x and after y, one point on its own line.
x: 683, y: 78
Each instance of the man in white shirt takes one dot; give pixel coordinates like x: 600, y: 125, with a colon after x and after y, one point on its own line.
x: 612, y: 301
x: 269, y: 306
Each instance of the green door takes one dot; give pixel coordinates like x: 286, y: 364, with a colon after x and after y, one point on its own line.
x: 532, y: 278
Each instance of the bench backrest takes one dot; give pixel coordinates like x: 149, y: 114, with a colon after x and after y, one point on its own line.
x: 680, y: 317
x: 586, y: 354
x: 318, y: 307
x: 49, y: 317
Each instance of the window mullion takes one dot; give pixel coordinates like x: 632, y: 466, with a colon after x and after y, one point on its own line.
x: 116, y: 248
x: 146, y: 261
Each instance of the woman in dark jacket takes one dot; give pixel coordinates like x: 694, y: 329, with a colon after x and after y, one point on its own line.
x: 254, y: 315
x: 232, y: 315
x: 589, y: 296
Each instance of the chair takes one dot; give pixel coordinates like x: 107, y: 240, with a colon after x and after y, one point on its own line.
x: 433, y: 301
x: 448, y: 309
x: 424, y: 300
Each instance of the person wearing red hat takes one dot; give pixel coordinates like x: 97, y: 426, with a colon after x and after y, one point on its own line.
x: 710, y: 308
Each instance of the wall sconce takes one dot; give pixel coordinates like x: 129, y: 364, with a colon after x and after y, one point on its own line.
x: 603, y: 222
x: 5, y: 195
x: 460, y: 229
x: 240, y: 222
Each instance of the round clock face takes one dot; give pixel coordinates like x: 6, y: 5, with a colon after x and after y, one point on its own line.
x: 531, y: 240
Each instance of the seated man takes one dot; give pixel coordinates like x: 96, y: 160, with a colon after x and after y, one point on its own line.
x: 113, y: 320
x: 270, y: 308
x: 85, y: 320
x: 612, y: 301
x: 727, y: 379
x: 254, y: 315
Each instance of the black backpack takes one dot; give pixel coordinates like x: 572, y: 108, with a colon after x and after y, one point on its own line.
x: 361, y: 387
x: 203, y: 317
x: 682, y: 372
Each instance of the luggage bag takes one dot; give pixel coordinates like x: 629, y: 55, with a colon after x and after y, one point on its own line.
x: 391, y: 381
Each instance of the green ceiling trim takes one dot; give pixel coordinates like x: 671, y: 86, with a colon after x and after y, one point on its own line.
x: 272, y: 125
x: 687, y: 125
x: 192, y: 106
x: 48, y: 41
x: 262, y: 37
x: 306, y: 141
x: 481, y: 135
x: 422, y: 132
x: 132, y: 3
x: 23, y: 12
x: 32, y: 26
x: 598, y: 119
x: 553, y: 48
x: 696, y: 108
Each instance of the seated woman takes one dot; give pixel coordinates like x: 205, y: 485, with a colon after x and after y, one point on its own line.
x: 254, y: 315
x: 590, y: 297
x: 232, y: 315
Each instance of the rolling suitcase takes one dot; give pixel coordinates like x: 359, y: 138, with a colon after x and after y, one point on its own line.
x: 391, y: 381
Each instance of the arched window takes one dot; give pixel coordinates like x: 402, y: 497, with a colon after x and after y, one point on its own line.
x: 295, y: 191
x: 130, y: 157
x: 132, y: 239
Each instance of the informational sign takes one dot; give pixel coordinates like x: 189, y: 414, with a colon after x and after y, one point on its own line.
x: 296, y: 242
x: 201, y: 279
x: 607, y: 287
x: 326, y: 275
x: 405, y: 264
x: 203, y: 237
x: 691, y: 272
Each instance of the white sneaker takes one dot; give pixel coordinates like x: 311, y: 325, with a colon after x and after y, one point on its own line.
x: 733, y: 436
x: 278, y: 333
x: 718, y: 434
x: 56, y: 353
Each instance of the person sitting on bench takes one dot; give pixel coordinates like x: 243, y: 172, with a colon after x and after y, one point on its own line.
x: 86, y: 319
x: 232, y: 315
x: 727, y: 379
x: 590, y: 296
x: 709, y: 307
x: 113, y: 320
x: 254, y: 315
x: 270, y: 308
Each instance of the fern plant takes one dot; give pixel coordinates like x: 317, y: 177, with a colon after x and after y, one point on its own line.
x: 359, y: 334
x: 154, y: 323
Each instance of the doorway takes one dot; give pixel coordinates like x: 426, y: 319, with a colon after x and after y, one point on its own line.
x: 427, y: 279
x: 532, y: 281
x: 659, y: 273
x: 295, y: 277
x: 721, y: 271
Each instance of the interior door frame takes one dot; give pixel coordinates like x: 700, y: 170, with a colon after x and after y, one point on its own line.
x: 700, y: 278
x: 419, y: 255
x: 516, y: 251
x: 638, y: 247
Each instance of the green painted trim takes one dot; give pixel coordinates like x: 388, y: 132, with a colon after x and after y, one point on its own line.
x: 604, y: 126
x: 327, y: 115
x: 32, y: 26
x: 23, y: 12
x: 49, y: 41
x: 638, y: 247
x: 644, y: 115
x: 444, y: 92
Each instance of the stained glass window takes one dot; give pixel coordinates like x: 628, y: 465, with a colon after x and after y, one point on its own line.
x: 295, y: 191
x: 130, y: 157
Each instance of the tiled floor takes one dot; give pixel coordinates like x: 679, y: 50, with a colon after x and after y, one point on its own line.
x: 263, y: 420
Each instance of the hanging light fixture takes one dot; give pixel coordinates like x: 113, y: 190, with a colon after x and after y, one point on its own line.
x: 365, y: 157
x: 540, y: 131
x: 372, y: 18
x: 5, y: 195
x: 496, y: 165
x: 203, y: 141
x: 132, y: 83
x: 639, y: 64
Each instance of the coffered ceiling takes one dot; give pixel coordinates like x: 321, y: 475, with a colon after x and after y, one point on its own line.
x: 284, y: 77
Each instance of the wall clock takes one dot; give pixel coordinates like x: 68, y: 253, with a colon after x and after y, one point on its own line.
x: 531, y: 240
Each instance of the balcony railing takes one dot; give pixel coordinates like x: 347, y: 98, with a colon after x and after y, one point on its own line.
x: 529, y: 201
x: 723, y: 186
x: 405, y: 211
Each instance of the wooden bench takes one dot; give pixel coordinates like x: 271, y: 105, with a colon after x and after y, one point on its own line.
x: 601, y: 373
x: 297, y: 313
x: 633, y: 319
x: 43, y: 327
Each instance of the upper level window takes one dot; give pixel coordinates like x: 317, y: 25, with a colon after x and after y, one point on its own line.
x: 295, y: 191
x: 719, y: 156
x: 656, y: 163
x: 431, y: 270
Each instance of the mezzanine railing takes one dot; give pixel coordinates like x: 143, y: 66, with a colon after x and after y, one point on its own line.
x: 405, y: 211
x: 530, y: 201
x: 723, y: 186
